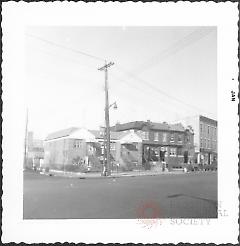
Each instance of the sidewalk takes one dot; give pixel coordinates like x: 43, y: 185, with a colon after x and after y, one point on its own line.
x: 113, y: 175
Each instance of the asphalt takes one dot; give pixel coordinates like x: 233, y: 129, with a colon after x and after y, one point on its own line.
x: 188, y: 195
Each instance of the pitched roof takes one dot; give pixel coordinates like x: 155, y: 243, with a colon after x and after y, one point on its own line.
x: 114, y: 135
x: 61, y: 133
x: 177, y: 127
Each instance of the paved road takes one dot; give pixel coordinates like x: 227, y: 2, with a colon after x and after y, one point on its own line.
x: 190, y: 195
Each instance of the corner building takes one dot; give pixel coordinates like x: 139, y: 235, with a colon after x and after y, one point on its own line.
x: 156, y: 144
x: 205, y: 139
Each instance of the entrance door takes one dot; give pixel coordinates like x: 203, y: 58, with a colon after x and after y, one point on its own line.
x: 185, y: 155
x: 162, y: 155
x: 209, y: 158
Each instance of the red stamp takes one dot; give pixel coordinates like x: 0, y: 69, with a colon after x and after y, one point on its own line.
x: 148, y: 214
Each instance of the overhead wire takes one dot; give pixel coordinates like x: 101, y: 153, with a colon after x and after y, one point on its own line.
x: 156, y: 89
x: 62, y: 57
x: 129, y: 74
x: 143, y: 92
x: 186, y: 41
x: 65, y: 47
x: 177, y: 46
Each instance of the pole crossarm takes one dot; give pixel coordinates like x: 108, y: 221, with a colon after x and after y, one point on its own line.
x: 106, y: 66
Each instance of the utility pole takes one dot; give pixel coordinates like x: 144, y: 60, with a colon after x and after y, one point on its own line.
x: 25, y: 142
x: 107, y: 165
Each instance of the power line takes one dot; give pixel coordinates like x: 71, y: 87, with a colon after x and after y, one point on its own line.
x: 144, y: 92
x: 64, y: 57
x: 154, y: 88
x: 191, y: 38
x: 64, y: 47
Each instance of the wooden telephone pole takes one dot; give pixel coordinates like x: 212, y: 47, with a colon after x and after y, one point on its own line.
x: 107, y: 165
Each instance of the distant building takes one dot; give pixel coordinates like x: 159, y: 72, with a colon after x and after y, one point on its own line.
x: 205, y: 139
x: 34, y: 151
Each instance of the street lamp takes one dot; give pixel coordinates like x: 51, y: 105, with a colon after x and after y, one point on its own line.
x: 114, y: 105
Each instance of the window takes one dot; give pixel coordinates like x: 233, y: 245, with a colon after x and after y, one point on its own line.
x: 204, y: 143
x: 145, y: 135
x: 204, y: 130
x: 201, y: 143
x: 172, y: 152
x: 208, y: 130
x: 179, y: 138
x: 77, y: 143
x: 102, y: 149
x: 201, y: 128
x: 101, y: 133
x: 155, y: 136
x: 209, y: 144
x: 212, y: 132
x: 172, y: 138
x: 112, y: 146
x: 90, y: 149
x: 179, y: 151
x: 164, y: 137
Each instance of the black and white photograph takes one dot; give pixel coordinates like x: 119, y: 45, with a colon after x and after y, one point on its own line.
x: 149, y: 111
x: 122, y: 123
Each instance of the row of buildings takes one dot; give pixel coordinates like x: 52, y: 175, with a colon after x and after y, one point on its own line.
x: 134, y: 145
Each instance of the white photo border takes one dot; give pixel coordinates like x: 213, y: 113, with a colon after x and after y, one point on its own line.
x: 18, y: 15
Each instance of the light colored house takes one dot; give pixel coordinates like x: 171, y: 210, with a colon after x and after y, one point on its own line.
x: 70, y: 149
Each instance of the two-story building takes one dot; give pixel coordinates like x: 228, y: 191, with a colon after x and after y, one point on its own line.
x: 156, y: 144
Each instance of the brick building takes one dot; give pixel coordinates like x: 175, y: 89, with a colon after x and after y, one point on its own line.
x: 151, y: 145
x: 205, y: 139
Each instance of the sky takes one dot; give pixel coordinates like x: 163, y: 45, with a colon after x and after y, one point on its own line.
x: 159, y: 74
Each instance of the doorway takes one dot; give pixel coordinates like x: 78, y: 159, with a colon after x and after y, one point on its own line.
x: 185, y: 155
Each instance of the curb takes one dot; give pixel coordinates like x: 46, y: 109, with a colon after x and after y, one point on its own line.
x: 112, y: 176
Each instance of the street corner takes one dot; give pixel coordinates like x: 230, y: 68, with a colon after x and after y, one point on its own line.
x: 148, y: 213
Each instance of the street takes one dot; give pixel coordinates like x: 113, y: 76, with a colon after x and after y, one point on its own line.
x: 190, y: 195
